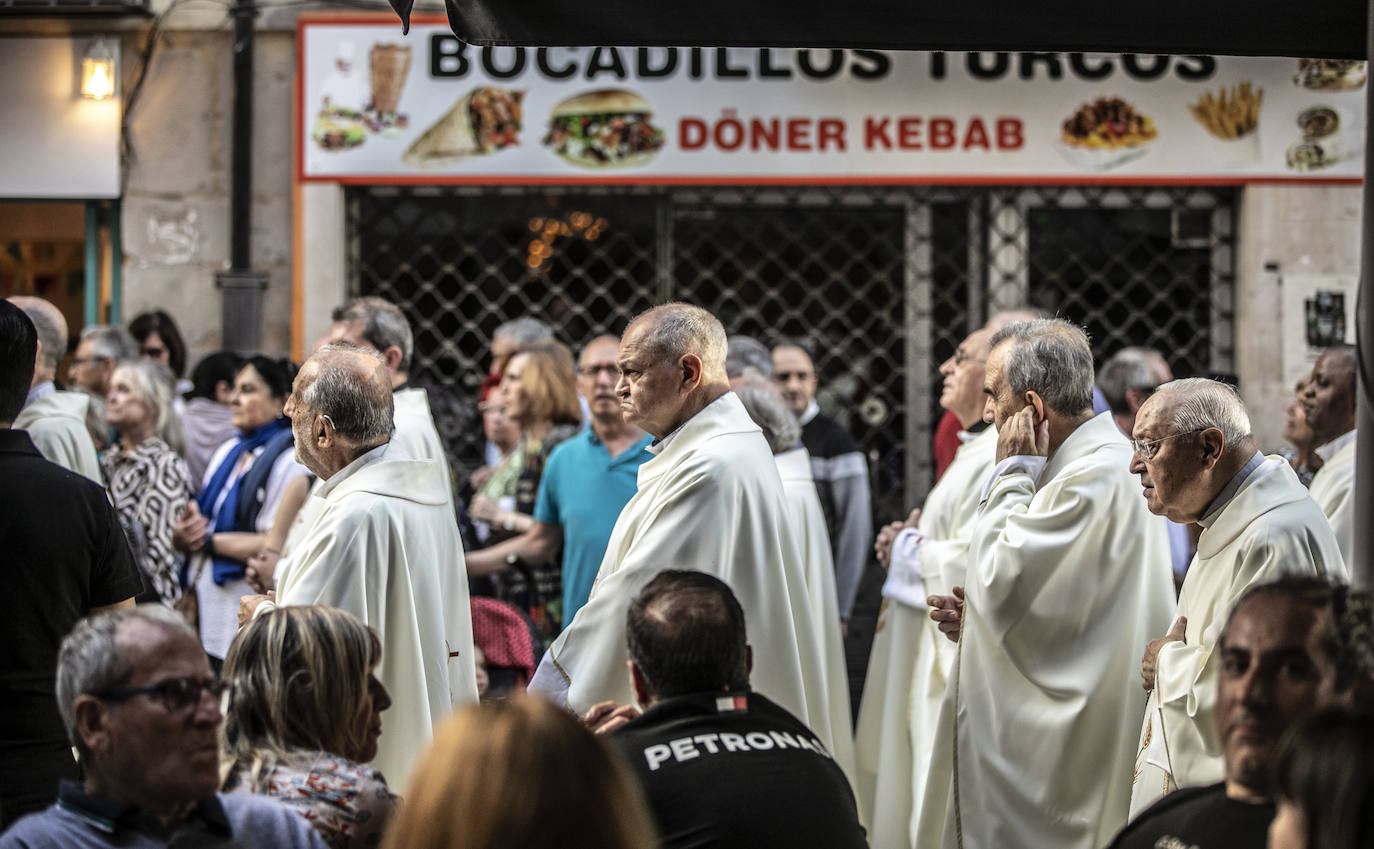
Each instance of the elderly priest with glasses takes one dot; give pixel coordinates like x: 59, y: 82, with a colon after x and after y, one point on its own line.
x: 1197, y: 462
x: 135, y: 691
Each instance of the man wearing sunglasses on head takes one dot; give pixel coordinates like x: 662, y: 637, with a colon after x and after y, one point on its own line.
x: 1197, y: 462
x: 143, y: 711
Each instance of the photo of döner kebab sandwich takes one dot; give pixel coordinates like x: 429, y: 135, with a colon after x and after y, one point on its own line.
x: 607, y: 128
x: 1329, y: 74
x: 485, y: 120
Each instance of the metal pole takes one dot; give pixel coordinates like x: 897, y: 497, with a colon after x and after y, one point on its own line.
x: 241, y: 176
x: 1362, y: 570
x: 241, y: 287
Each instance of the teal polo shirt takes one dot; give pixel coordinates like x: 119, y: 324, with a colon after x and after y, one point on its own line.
x: 583, y: 491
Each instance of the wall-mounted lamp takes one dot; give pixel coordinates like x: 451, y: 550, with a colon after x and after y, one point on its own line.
x: 98, y: 71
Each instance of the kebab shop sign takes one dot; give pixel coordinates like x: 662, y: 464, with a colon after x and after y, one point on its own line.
x: 380, y: 107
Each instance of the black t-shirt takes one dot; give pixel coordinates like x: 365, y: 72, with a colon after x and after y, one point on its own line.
x: 64, y: 553
x: 735, y: 770
x: 1198, y: 818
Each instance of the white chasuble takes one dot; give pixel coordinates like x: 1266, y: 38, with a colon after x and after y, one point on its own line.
x: 806, y: 518
x: 710, y: 501
x: 910, y: 659
x: 1270, y: 528
x: 1333, y: 489
x: 415, y: 438
x: 384, y: 546
x: 1069, y: 577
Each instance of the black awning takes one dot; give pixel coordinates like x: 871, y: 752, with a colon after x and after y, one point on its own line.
x: 1331, y: 29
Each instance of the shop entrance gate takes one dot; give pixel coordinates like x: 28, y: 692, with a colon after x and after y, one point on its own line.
x: 882, y: 282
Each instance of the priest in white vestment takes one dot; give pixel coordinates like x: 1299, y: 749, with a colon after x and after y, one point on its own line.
x: 1068, y: 576
x: 1328, y: 402
x: 909, y: 664
x: 55, y: 419
x: 383, y: 545
x: 806, y: 518
x: 377, y: 325
x: 709, y: 500
x: 1197, y: 462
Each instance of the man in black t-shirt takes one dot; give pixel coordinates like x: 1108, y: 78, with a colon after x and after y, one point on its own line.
x: 65, y: 556
x: 1279, y: 652
x: 720, y: 765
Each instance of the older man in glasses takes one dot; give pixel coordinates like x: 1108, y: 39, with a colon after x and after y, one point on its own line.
x: 1197, y: 462
x: 135, y: 691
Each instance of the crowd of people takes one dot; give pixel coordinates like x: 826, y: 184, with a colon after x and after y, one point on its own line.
x: 259, y: 608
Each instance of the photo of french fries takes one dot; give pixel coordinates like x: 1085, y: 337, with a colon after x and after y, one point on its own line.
x: 1231, y: 113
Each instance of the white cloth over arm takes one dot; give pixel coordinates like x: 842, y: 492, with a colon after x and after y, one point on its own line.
x: 1333, y: 489
x: 1269, y: 529
x: 1069, y: 577
x: 384, y: 547
x: 909, y: 663
x: 56, y: 423
x: 806, y: 519
x: 711, y: 501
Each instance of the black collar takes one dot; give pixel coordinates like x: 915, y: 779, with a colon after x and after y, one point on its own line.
x: 108, y: 815
x: 14, y: 441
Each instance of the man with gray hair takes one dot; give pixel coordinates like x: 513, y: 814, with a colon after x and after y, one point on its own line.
x: 383, y: 545
x: 711, y: 501
x: 1128, y: 378
x: 56, y: 420
x: 140, y: 705
x: 508, y: 340
x: 375, y: 325
x: 1067, y: 576
x: 1197, y: 462
x: 102, y: 347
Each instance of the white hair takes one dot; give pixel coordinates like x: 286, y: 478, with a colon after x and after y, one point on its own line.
x: 89, y: 660
x: 383, y: 325
x: 747, y: 356
x: 1203, y: 404
x: 780, y: 428
x: 1127, y: 369
x: 681, y: 329
x: 1049, y: 356
x: 154, y: 385
x: 360, y: 411
x: 525, y: 331
x: 110, y: 342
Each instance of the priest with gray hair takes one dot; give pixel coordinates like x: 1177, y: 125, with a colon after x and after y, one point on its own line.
x: 382, y: 544
x: 1197, y: 462
x: 1067, y: 577
x: 710, y: 500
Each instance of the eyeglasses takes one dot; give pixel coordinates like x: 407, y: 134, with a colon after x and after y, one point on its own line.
x: 174, y: 694
x: 593, y: 371
x: 80, y: 361
x: 1146, y: 450
x: 153, y: 353
x: 960, y: 357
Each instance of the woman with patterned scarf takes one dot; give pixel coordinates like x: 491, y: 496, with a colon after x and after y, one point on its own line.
x: 147, y: 482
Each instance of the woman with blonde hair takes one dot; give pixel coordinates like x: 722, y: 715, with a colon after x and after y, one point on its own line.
x: 520, y: 775
x: 538, y: 390
x: 148, y: 482
x: 305, y: 717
